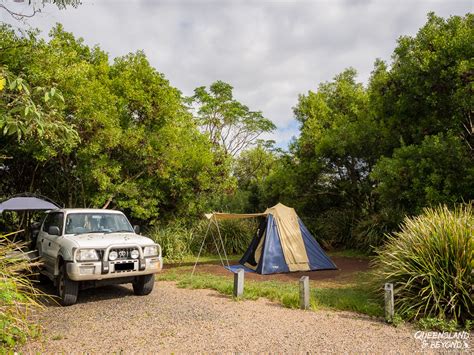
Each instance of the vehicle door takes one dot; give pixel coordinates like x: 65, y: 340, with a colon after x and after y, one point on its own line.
x: 49, y: 243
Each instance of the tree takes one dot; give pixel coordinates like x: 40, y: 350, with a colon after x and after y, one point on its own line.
x: 231, y: 125
x: 36, y: 6
x: 31, y: 116
x: 427, y: 88
x: 437, y: 171
x: 338, y: 147
x: 367, y: 156
x: 140, y: 149
x: 252, y: 169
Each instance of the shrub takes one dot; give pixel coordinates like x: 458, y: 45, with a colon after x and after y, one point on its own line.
x: 430, y: 263
x: 440, y: 325
x: 236, y: 235
x: 17, y: 296
x: 370, y: 232
x: 179, y: 240
x: 334, y: 228
x: 175, y: 240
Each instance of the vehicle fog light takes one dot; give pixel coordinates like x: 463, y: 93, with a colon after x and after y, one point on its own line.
x: 86, y: 270
x: 134, y: 254
x: 113, y: 255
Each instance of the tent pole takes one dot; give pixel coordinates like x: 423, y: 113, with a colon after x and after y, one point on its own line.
x: 223, y: 248
x: 200, y: 249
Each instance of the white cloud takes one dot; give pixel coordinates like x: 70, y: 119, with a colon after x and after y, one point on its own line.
x: 270, y: 51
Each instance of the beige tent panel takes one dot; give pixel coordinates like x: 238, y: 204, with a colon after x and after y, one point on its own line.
x: 290, y: 237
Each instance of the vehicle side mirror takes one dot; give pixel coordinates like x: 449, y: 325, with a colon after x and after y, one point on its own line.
x: 136, y: 229
x: 54, y: 230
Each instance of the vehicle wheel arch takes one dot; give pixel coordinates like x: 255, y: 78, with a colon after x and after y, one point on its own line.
x: 59, y: 263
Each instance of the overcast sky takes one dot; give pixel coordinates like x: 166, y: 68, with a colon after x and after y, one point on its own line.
x: 269, y: 51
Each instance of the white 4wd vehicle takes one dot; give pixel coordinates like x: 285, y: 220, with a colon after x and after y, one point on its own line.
x: 89, y: 247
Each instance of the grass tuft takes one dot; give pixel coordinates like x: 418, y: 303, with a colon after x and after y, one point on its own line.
x: 430, y: 263
x: 18, y: 297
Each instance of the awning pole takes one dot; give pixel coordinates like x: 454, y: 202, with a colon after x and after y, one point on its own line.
x: 223, y: 248
x: 202, y: 246
x: 217, y: 245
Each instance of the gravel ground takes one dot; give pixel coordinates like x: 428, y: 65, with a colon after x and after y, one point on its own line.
x: 112, y: 319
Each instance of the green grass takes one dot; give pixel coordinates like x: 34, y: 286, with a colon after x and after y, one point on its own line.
x: 187, y: 259
x: 353, y: 296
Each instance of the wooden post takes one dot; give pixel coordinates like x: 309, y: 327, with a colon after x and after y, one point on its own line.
x: 389, y: 304
x: 239, y: 282
x: 304, y: 292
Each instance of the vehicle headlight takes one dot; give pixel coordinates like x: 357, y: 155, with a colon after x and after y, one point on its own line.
x: 113, y: 255
x: 86, y: 255
x: 134, y: 254
x: 150, y: 251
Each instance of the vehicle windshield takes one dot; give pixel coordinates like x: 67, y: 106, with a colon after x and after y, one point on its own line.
x: 80, y: 223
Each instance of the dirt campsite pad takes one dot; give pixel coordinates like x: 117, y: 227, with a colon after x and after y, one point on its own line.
x: 347, y: 268
x: 170, y: 319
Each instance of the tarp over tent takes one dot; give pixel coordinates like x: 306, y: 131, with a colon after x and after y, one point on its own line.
x: 282, y: 243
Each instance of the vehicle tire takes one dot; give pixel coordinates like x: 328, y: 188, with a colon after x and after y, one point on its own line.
x: 67, y: 288
x: 143, y: 285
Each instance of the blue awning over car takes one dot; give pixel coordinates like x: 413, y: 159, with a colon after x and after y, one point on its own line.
x: 27, y: 203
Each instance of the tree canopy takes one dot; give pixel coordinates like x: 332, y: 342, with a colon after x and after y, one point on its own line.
x: 369, y: 154
x: 88, y: 130
x: 231, y: 125
x: 89, y: 133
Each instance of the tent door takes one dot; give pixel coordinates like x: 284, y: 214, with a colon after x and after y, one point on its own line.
x: 251, y: 258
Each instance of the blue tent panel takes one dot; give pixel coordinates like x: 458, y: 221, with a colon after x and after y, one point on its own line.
x: 318, y: 260
x: 272, y: 259
x: 235, y: 268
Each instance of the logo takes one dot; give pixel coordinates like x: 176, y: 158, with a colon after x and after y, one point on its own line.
x: 443, y: 340
x: 122, y: 253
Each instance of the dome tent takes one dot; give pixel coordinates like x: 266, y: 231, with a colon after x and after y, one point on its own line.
x: 281, y: 244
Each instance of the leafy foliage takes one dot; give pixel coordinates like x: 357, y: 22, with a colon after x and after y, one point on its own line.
x: 229, y: 124
x: 427, y: 89
x: 439, y: 170
x: 430, y: 263
x: 18, y: 297
x: 367, y: 156
x: 89, y: 133
x: 179, y: 240
x: 31, y: 116
x: 140, y: 149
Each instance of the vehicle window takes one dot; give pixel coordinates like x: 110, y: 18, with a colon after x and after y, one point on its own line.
x: 79, y: 223
x: 47, y: 222
x: 53, y: 219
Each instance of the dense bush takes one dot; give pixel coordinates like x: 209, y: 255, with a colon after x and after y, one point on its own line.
x: 370, y: 232
x: 430, y: 263
x: 179, y: 240
x: 175, y: 240
x: 17, y: 297
x: 236, y: 234
x: 439, y: 170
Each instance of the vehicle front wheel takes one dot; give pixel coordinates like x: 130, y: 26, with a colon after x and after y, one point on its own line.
x: 67, y: 288
x: 143, y: 285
